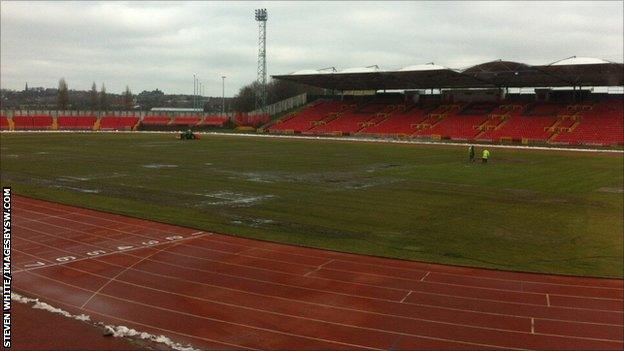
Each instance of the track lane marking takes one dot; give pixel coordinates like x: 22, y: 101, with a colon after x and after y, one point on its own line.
x: 406, y: 296
x: 361, y: 273
x: 288, y: 285
x: 122, y: 272
x: 50, y: 205
x: 253, y: 327
x: 475, y: 311
x: 328, y: 306
x: 547, y: 300
x: 319, y: 267
x: 204, y: 317
x: 164, y: 242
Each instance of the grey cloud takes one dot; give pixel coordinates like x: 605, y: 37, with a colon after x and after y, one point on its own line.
x: 150, y: 45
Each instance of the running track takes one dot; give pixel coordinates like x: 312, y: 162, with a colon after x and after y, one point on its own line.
x: 221, y: 292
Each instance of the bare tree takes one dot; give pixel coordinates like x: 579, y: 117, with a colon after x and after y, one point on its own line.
x: 245, y: 100
x: 103, y: 99
x: 63, y: 95
x: 128, y: 99
x: 277, y: 90
x: 93, y: 97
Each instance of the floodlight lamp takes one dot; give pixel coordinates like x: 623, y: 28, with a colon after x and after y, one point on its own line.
x: 261, y: 15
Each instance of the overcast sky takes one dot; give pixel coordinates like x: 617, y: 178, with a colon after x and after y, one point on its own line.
x: 149, y: 45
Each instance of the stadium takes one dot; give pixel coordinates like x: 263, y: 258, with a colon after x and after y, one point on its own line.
x: 417, y: 208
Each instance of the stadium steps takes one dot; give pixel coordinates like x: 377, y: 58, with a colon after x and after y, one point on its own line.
x: 55, y: 124
x: 96, y: 125
x: 330, y: 117
x: 486, y: 126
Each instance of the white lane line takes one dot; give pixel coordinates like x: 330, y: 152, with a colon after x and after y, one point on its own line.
x: 547, y: 300
x: 318, y: 268
x: 425, y: 276
x: 306, y: 318
x: 97, y: 226
x: 92, y: 257
x: 148, y: 237
x: 332, y: 260
x: 312, y: 289
x: 122, y: 272
x: 175, y: 277
x: 312, y: 303
x: 88, y: 233
x: 205, y: 317
x: 420, y: 292
x: 422, y: 269
x: 337, y: 259
x: 406, y: 296
x: 102, y: 216
x: 362, y: 263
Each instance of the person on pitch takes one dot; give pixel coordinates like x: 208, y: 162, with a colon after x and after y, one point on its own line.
x: 471, y: 153
x: 485, y: 156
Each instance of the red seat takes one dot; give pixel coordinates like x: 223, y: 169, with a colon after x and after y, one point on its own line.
x: 76, y: 122
x: 186, y: 120
x: 118, y: 122
x: 4, y: 123
x: 156, y: 120
x: 35, y: 122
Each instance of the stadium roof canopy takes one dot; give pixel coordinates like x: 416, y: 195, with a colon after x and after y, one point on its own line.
x: 574, y: 71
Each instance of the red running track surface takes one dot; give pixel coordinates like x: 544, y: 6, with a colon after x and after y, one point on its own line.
x: 221, y: 292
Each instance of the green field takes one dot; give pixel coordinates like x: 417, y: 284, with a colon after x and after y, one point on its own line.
x: 542, y: 211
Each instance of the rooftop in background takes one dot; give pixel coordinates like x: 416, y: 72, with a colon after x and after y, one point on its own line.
x: 569, y: 72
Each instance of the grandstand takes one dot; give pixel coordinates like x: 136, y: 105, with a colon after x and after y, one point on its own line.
x: 473, y: 104
x: 469, y: 105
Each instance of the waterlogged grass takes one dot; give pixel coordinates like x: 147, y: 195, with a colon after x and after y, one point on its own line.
x: 542, y: 211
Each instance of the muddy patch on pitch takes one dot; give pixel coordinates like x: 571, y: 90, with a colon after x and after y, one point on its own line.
x: 381, y: 167
x: 611, y: 190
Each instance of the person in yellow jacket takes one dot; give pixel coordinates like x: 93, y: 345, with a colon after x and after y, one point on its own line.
x: 485, y: 156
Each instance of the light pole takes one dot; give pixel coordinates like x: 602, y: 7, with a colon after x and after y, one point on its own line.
x: 201, y: 95
x: 223, y: 95
x: 194, y: 89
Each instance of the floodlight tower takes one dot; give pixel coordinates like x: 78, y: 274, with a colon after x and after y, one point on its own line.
x: 261, y: 93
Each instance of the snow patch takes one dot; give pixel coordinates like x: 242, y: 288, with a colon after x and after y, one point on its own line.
x: 116, y: 331
x: 44, y: 306
x: 121, y: 331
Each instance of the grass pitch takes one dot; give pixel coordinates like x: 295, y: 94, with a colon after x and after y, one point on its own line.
x: 541, y: 211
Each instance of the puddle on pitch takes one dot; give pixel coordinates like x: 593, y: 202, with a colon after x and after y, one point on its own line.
x: 228, y: 198
x: 159, y: 165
